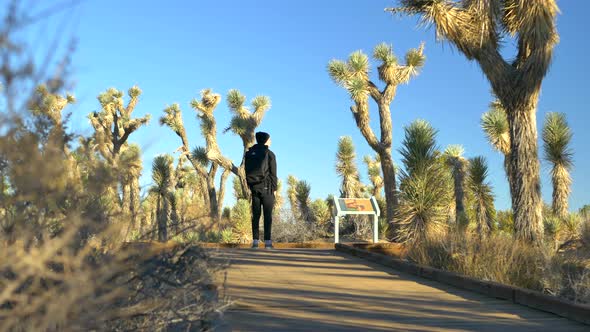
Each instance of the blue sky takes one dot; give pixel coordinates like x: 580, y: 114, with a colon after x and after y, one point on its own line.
x: 174, y: 49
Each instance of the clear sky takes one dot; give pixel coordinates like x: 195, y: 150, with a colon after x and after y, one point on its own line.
x: 173, y: 49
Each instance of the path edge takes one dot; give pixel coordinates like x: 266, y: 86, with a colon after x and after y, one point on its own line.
x: 530, y: 298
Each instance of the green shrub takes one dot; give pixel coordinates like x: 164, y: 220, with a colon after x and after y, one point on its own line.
x: 241, y: 222
x: 226, y: 236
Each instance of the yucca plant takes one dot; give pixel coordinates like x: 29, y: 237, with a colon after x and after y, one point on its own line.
x: 425, y: 186
x: 495, y: 126
x: 279, y: 199
x: 353, y: 75
x: 292, y: 182
x: 163, y: 175
x: 302, y: 191
x: 374, y: 172
x: 424, y: 198
x: 227, y: 235
x: 556, y: 138
x: 485, y: 213
x: 477, y: 29
x: 454, y: 158
x: 553, y: 228
x: 321, y: 213
x: 347, y: 170
x: 571, y: 225
x: 419, y: 149
x: 241, y: 222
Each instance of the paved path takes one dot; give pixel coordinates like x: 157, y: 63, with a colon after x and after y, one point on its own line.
x: 323, y: 290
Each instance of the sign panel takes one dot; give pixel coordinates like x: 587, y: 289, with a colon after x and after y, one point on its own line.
x: 344, y: 206
x: 355, y: 205
x: 347, y: 206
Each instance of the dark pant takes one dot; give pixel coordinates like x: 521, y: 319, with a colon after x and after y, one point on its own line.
x: 262, y: 202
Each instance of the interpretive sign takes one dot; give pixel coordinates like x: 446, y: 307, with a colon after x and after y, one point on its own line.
x: 352, y: 206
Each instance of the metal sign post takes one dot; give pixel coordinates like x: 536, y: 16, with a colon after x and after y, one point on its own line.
x: 351, y: 206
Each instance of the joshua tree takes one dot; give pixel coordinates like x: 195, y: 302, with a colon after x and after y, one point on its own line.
x: 374, y: 171
x: 353, y: 75
x: 483, y: 199
x: 198, y: 159
x: 279, y: 200
x: 458, y: 164
x: 351, y: 185
x: 302, y: 191
x: 292, y: 195
x: 557, y: 136
x: 347, y: 170
x: 244, y: 124
x: 476, y: 28
x: 113, y: 125
x: 50, y: 105
x: 425, y: 185
x: 131, y: 167
x: 162, y: 175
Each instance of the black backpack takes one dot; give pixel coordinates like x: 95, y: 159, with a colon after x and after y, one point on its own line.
x: 256, y: 164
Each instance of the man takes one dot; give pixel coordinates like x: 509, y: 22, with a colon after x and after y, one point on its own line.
x: 261, y: 175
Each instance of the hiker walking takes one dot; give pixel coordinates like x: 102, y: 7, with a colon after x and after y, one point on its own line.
x: 261, y: 176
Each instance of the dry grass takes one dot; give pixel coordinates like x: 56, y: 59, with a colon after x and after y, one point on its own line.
x: 502, y: 259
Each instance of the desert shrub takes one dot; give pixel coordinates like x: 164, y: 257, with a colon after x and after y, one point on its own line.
x: 64, y: 266
x: 568, y: 276
x: 241, y: 222
x: 226, y: 236
x: 585, y: 231
x: 553, y: 227
x: 286, y: 228
x: 571, y: 226
x: 505, y: 220
x: 321, y: 214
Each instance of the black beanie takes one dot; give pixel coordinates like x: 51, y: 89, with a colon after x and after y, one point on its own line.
x: 262, y: 137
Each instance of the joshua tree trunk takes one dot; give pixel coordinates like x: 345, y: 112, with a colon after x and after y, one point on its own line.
x: 174, y: 219
x: 134, y: 202
x: 222, y: 181
x: 162, y: 219
x: 459, y: 195
x: 126, y: 199
x: 214, y: 211
x: 524, y: 165
x: 389, y: 182
x: 483, y: 227
x: 244, y: 185
x: 561, y: 189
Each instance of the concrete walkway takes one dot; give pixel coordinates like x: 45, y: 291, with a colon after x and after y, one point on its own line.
x: 323, y: 290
